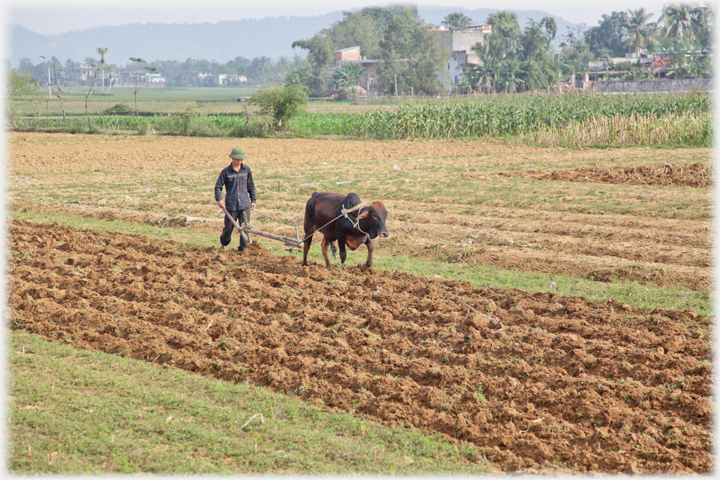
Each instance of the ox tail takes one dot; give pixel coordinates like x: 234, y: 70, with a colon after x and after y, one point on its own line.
x: 333, y: 250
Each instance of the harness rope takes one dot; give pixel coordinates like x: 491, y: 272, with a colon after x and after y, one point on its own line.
x: 343, y: 214
x: 262, y: 215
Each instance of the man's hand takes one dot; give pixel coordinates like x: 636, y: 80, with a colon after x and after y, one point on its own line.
x: 252, y: 206
x: 221, y: 203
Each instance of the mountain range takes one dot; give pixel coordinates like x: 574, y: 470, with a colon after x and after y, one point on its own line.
x: 222, y: 41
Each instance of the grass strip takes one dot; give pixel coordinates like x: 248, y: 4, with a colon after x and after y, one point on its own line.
x: 634, y: 294
x: 76, y: 411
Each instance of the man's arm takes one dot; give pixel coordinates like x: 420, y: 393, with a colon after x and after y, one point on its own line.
x: 251, y: 189
x: 218, y: 189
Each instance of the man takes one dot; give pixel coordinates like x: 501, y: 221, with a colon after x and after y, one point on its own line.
x: 239, y: 195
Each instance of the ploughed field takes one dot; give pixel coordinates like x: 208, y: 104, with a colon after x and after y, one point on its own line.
x: 536, y: 381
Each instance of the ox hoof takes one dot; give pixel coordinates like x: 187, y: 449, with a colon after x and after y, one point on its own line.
x: 342, y: 266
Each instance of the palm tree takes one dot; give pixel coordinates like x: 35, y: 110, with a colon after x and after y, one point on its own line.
x: 265, y: 64
x: 637, y: 29
x: 491, y: 53
x: 456, y: 19
x: 110, y: 70
x: 102, y: 51
x: 137, y: 87
x: 505, y: 29
x: 681, y: 19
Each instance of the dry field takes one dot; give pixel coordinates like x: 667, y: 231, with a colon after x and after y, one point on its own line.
x: 539, y: 382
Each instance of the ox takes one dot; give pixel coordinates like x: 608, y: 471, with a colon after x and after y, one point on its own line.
x: 361, y: 227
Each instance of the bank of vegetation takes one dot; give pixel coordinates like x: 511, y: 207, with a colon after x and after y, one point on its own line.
x: 683, y: 119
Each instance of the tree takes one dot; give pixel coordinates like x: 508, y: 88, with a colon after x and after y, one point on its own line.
x: 704, y: 30
x: 90, y: 88
x: 55, y: 89
x: 72, y: 73
x: 365, y: 28
x: 259, y: 66
x: 281, y: 103
x: 608, y: 38
x: 637, y: 29
x: 297, y: 76
x: 347, y: 76
x: 102, y: 52
x: 535, y: 40
x: 362, y: 29
x: 395, y: 44
x: 506, y: 28
x: 536, y: 70
x: 681, y: 20
x: 110, y: 72
x: 412, y: 58
x: 136, y: 88
x: 456, y: 19
x: 574, y: 52
x: 21, y: 87
x: 320, y: 57
x: 491, y: 54
x: 512, y: 60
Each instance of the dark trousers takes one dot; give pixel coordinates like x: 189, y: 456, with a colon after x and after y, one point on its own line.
x: 226, y: 234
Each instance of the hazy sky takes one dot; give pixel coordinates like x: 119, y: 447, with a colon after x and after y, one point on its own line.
x: 46, y: 17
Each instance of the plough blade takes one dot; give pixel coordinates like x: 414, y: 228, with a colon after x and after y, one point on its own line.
x: 291, y: 243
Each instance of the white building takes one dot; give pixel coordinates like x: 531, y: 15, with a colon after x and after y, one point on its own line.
x: 459, y: 42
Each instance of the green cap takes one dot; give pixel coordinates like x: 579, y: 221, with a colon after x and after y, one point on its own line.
x: 238, y: 152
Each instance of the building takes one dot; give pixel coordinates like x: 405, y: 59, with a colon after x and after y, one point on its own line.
x: 86, y: 71
x: 350, y: 54
x: 138, y: 77
x: 459, y: 43
x: 655, y: 65
x: 369, y: 67
x: 226, y: 78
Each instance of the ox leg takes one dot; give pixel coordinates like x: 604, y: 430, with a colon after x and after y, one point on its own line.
x: 325, y: 246
x: 343, y: 253
x: 370, y: 247
x: 306, y: 248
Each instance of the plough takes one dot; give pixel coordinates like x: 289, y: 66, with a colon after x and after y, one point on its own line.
x: 290, y: 243
x: 246, y: 228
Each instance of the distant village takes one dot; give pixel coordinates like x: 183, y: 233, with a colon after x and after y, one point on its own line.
x: 492, y: 57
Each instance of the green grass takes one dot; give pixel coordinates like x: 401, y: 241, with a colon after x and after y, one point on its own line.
x: 78, y: 412
x: 167, y: 94
x: 633, y: 293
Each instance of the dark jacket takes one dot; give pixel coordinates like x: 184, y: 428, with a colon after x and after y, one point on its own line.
x: 239, y: 188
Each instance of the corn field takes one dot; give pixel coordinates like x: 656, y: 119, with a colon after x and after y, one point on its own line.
x: 587, y: 119
x: 496, y: 116
x: 648, y: 129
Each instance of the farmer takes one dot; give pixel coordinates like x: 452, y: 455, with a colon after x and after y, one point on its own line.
x: 239, y: 195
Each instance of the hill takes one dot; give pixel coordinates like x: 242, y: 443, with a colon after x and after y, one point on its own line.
x: 221, y: 41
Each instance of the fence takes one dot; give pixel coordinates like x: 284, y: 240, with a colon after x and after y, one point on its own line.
x: 653, y: 86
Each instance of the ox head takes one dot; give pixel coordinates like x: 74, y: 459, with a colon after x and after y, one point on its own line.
x: 374, y: 220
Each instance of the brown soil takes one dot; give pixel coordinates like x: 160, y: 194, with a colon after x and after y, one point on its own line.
x: 692, y: 175
x: 537, y: 382
x: 635, y: 241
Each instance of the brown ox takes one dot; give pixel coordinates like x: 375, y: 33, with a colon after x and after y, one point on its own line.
x: 361, y: 227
